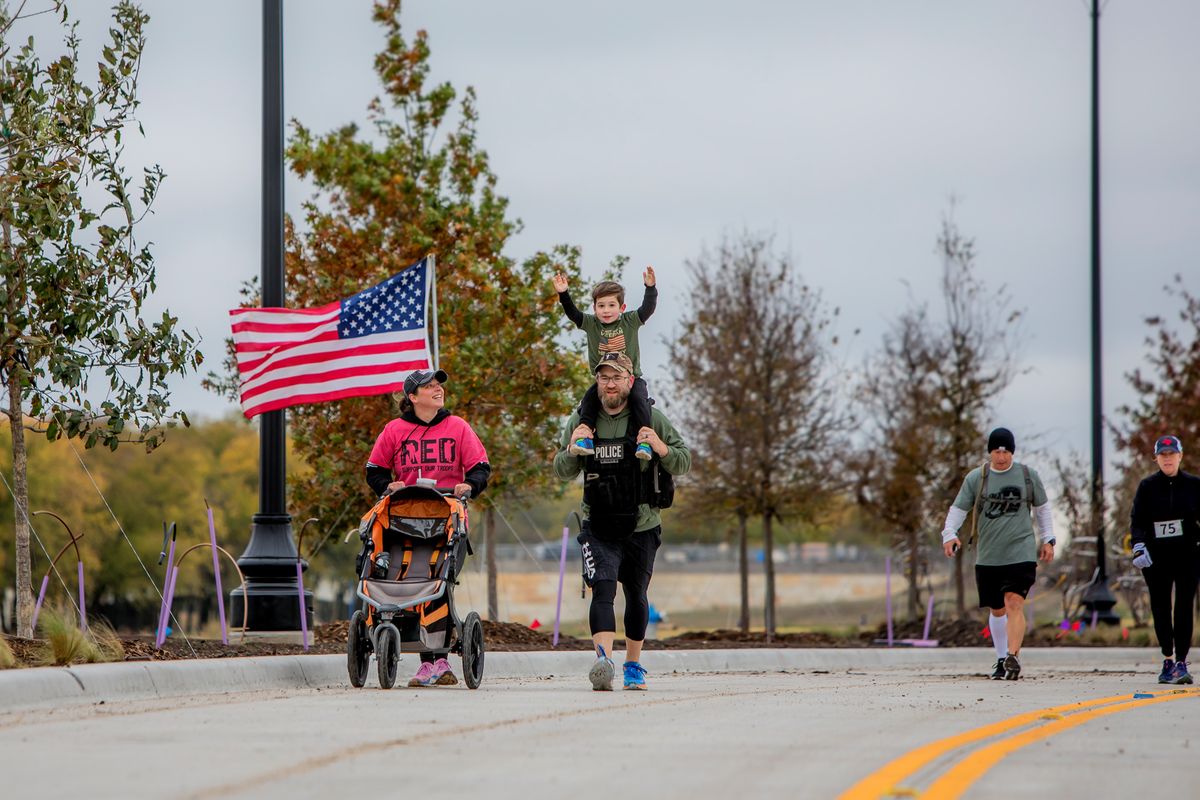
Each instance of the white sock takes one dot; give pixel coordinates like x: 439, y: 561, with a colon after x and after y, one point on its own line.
x: 999, y: 628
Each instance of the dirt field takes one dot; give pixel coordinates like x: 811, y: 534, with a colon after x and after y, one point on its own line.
x: 511, y: 636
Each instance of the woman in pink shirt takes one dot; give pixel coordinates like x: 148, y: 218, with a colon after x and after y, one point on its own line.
x: 427, y: 441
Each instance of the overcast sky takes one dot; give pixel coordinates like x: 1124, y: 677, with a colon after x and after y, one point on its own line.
x: 652, y: 129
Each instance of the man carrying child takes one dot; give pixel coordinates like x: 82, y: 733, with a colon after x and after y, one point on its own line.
x: 611, y: 329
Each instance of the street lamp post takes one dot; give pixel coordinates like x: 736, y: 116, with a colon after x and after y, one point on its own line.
x: 269, y: 563
x: 1098, y: 600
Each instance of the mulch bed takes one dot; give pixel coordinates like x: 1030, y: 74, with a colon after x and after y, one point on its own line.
x: 330, y: 638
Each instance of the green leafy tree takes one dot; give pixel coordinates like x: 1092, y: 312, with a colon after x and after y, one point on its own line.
x: 418, y: 183
x: 78, y: 358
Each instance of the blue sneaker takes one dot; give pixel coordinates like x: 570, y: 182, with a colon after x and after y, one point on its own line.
x: 644, y: 452
x: 582, y: 447
x: 1180, y: 674
x: 1168, y: 668
x: 635, y: 676
x: 601, y: 673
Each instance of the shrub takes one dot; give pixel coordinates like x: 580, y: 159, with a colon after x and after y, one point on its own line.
x: 7, y: 659
x: 65, y: 644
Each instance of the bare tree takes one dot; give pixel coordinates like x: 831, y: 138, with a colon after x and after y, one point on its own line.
x: 751, y: 364
x: 980, y: 336
x: 896, y: 479
x: 955, y: 368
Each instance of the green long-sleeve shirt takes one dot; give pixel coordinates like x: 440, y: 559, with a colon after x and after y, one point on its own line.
x: 677, y: 461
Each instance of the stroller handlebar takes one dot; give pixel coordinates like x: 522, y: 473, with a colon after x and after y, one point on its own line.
x: 463, y: 498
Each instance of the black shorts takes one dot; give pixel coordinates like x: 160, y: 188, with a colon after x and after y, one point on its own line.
x: 629, y: 560
x: 994, y: 582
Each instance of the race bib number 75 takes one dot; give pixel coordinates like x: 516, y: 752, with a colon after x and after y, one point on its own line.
x: 1168, y: 529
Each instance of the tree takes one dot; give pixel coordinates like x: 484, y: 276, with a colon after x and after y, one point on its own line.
x: 936, y: 379
x: 1168, y: 388
x: 751, y: 367
x: 896, y: 478
x: 979, y: 337
x: 75, y: 277
x: 385, y: 200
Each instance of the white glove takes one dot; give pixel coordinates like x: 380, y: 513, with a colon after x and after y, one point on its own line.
x: 1141, y: 559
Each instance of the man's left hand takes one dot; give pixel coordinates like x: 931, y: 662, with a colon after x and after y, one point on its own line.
x: 649, y: 436
x: 1046, y: 552
x: 462, y: 490
x: 648, y: 276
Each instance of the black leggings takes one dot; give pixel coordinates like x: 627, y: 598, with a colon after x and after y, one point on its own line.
x: 602, y: 616
x: 1160, y: 578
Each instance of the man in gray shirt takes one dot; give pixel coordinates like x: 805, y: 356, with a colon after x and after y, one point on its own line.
x: 1003, y: 493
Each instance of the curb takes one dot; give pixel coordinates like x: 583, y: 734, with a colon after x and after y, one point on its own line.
x: 103, y: 683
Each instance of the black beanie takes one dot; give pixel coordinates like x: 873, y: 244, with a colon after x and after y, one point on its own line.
x: 1002, y: 437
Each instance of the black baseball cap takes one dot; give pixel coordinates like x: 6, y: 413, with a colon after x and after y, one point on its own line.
x: 421, y: 377
x: 1167, y: 444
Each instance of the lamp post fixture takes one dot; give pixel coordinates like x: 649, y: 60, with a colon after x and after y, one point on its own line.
x: 1098, y: 600
x: 269, y: 562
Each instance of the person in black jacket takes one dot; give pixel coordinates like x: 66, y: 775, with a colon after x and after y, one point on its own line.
x: 1165, y: 529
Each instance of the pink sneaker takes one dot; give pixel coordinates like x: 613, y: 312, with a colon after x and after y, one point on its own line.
x: 443, y: 674
x: 426, y: 675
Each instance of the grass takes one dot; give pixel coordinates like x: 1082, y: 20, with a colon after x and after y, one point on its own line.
x: 7, y: 659
x: 65, y: 644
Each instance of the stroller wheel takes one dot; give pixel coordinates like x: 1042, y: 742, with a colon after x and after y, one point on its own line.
x: 472, y: 650
x: 388, y: 656
x: 358, y: 650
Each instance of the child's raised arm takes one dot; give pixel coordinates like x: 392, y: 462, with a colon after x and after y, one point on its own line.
x: 564, y: 298
x: 650, y: 298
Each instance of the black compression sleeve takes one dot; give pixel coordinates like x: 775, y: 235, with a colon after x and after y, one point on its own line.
x: 649, y: 303
x: 477, y: 477
x: 573, y: 313
x: 378, y: 479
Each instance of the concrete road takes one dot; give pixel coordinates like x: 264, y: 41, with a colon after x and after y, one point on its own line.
x: 820, y: 733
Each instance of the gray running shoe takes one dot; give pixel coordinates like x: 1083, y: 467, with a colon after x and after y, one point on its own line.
x: 602, y: 672
x: 1012, y: 668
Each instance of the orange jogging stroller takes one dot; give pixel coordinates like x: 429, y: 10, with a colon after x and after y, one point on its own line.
x: 415, y: 541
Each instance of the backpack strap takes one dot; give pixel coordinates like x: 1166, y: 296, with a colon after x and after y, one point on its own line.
x: 977, y: 508
x: 1028, y: 488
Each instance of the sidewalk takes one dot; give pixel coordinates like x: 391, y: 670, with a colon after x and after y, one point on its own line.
x: 96, y: 683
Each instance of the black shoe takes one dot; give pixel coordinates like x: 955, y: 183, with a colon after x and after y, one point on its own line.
x: 1012, y: 668
x: 998, y: 672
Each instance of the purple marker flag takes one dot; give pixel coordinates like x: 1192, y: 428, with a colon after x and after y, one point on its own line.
x: 562, y: 571
x: 162, y: 610
x: 303, y: 610
x: 82, y: 605
x: 37, y: 609
x: 162, y: 636
x: 212, y: 538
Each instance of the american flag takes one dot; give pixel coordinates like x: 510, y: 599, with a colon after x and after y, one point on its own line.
x: 363, y: 345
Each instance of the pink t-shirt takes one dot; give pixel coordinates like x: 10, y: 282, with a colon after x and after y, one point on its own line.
x: 443, y: 451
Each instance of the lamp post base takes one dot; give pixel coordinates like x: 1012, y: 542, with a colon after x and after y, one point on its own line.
x: 1098, y: 602
x: 271, y: 596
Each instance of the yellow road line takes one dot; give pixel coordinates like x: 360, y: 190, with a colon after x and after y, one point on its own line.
x: 962, y: 775
x: 881, y: 782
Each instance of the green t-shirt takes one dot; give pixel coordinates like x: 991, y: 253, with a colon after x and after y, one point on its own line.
x: 677, y: 461
x: 621, y: 336
x: 1005, y: 526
